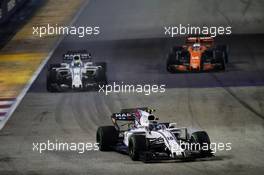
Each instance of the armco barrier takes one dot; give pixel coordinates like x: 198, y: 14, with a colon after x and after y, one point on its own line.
x: 9, y: 7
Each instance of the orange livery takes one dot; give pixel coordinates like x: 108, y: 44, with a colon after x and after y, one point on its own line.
x: 198, y: 54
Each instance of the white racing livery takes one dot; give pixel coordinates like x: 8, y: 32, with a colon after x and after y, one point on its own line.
x: 137, y: 132
x: 76, y: 72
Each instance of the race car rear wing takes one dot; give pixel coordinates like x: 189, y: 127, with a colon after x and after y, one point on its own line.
x: 131, y: 110
x: 199, y: 39
x: 82, y: 53
x: 123, y: 116
x: 129, y: 114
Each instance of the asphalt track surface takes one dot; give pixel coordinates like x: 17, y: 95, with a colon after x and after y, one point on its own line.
x: 228, y: 105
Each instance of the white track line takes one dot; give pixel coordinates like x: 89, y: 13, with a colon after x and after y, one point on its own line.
x: 37, y: 72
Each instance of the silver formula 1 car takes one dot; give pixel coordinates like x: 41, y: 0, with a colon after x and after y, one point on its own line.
x: 76, y: 72
x: 138, y: 133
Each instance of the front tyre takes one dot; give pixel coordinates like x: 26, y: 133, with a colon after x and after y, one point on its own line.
x: 106, y: 137
x: 136, y: 146
x: 202, y: 139
x: 51, y: 78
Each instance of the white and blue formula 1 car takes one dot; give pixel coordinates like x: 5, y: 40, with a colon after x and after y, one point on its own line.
x: 137, y: 133
x: 76, y: 72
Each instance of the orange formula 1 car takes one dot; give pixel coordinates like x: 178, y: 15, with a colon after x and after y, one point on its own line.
x: 197, y: 55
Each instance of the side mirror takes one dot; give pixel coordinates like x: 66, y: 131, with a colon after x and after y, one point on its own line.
x: 172, y: 125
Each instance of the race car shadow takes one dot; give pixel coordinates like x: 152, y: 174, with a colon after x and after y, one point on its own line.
x: 214, y: 158
x: 166, y: 160
x: 41, y: 88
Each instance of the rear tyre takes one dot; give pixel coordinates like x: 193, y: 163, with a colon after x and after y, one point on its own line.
x: 220, y: 58
x: 101, y: 75
x: 51, y: 79
x: 102, y: 64
x: 106, y: 137
x: 223, y: 65
x: 224, y: 49
x: 136, y: 146
x: 202, y: 138
x: 177, y: 56
x: 173, y: 59
x: 170, y: 61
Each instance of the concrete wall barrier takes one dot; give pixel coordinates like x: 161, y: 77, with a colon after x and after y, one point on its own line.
x: 9, y: 7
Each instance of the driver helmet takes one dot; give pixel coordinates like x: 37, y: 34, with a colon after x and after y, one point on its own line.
x: 196, y: 46
x: 76, y: 58
x: 76, y: 61
x: 153, y: 125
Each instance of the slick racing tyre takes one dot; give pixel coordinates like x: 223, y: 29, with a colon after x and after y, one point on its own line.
x: 225, y: 51
x: 219, y: 55
x: 178, y: 56
x: 170, y: 61
x: 106, y: 137
x: 51, y: 78
x: 201, y: 138
x: 103, y: 65
x: 172, y: 58
x: 136, y: 146
x: 101, y: 75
